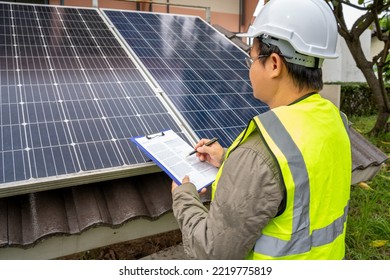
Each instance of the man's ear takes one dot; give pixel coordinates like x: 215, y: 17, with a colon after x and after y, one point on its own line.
x: 276, y: 65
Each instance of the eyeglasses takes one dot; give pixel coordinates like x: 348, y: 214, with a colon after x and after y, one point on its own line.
x: 249, y: 60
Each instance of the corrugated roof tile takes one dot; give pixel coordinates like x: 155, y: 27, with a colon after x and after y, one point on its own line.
x: 27, y: 218
x: 364, y: 153
x: 3, y: 222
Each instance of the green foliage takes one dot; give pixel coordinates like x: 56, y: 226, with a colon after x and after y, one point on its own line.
x: 363, y: 124
x: 385, y: 23
x: 356, y: 99
x: 368, y: 229
x: 386, y: 70
x: 385, y: 26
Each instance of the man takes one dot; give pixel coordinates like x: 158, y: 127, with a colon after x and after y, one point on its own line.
x: 283, y: 187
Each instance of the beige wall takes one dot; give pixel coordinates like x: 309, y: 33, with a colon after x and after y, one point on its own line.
x: 219, y: 6
x: 102, y: 4
x: 223, y: 12
x: 376, y: 47
x: 249, y: 9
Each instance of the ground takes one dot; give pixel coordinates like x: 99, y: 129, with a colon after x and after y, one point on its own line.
x: 132, y: 250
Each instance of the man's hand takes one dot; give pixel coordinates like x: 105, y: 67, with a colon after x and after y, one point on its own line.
x: 186, y: 179
x: 212, y: 154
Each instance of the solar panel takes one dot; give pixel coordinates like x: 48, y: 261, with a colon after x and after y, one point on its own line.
x: 201, y: 72
x: 70, y: 99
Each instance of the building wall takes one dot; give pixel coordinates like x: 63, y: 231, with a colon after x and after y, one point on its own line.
x: 344, y: 69
x: 376, y: 46
x: 248, y: 10
x: 221, y: 6
x: 229, y: 21
x: 223, y: 12
x: 102, y: 4
x: 331, y: 69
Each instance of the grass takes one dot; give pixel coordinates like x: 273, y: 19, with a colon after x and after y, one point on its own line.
x: 368, y: 229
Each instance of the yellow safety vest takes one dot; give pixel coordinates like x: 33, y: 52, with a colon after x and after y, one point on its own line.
x: 310, y: 143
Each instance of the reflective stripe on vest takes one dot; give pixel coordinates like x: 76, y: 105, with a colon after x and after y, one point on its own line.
x: 301, y: 241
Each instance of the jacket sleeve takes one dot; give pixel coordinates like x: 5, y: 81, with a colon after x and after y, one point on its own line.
x: 247, y: 197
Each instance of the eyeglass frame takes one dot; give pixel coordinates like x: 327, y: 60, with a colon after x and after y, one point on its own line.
x: 250, y: 60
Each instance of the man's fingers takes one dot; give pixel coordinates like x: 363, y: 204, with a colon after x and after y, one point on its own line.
x: 204, y: 150
x: 201, y: 143
x: 186, y: 179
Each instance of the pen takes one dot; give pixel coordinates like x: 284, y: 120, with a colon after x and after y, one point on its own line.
x: 215, y: 139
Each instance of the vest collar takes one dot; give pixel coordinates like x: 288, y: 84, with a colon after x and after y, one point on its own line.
x: 302, y: 98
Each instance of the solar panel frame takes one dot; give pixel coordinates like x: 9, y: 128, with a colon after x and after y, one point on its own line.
x: 65, y: 67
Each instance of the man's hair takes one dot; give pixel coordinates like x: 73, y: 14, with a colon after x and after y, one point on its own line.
x: 303, y: 77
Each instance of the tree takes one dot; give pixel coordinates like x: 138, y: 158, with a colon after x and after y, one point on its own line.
x: 375, y: 15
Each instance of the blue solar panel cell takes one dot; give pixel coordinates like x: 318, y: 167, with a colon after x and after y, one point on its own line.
x: 8, y: 143
x: 186, y: 103
x: 15, y: 165
x: 212, y: 102
x: 232, y: 101
x: 219, y: 86
x: 195, y: 87
x: 245, y: 113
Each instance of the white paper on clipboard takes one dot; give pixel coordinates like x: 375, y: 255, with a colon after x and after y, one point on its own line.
x: 169, y: 151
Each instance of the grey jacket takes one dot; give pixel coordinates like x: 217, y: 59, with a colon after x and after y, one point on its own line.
x: 248, y: 195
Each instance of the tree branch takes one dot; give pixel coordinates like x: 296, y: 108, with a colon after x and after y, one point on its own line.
x: 347, y: 3
x: 337, y: 9
x: 362, y: 23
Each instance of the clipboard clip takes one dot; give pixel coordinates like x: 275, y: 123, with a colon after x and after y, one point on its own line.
x: 151, y: 136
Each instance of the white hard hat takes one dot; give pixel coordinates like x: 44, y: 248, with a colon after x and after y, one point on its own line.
x: 305, y: 26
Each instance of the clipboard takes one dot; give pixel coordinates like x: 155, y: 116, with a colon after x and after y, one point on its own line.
x: 169, y: 151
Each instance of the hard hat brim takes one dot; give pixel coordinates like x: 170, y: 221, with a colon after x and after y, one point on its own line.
x: 243, y: 35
